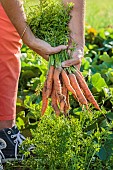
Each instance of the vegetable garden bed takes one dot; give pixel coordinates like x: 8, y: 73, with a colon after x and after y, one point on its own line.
x: 84, y: 139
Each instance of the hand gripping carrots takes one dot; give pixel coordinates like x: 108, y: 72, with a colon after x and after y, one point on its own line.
x: 62, y: 81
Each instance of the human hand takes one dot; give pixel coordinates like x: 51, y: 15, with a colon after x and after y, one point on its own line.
x: 76, y: 56
x: 44, y: 49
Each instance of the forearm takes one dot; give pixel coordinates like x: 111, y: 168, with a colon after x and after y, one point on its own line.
x: 15, y: 12
x: 76, y: 24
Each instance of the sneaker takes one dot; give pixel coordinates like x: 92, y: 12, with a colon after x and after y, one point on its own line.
x: 10, y: 140
x: 2, y: 146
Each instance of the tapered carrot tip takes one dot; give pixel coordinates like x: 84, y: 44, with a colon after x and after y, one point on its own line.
x: 44, y: 99
x: 98, y: 108
x: 44, y: 106
x: 83, y: 85
x: 80, y: 96
x: 85, y: 107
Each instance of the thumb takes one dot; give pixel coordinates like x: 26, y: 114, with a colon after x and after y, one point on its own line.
x: 58, y: 49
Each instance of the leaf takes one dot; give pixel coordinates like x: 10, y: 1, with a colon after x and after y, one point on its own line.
x: 107, y: 92
x: 107, y: 150
x: 102, y: 154
x: 98, y: 82
x: 20, y: 122
x: 108, y: 46
x: 110, y: 115
x: 106, y: 58
x: 86, y: 62
x: 110, y: 74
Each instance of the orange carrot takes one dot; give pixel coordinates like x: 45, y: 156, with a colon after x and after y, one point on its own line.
x: 44, y: 99
x: 80, y: 96
x: 50, y: 81
x: 57, y: 83
x: 58, y: 97
x: 63, y: 101
x: 64, y: 90
x: 86, y: 90
x: 54, y: 102
x: 67, y: 82
x: 67, y: 105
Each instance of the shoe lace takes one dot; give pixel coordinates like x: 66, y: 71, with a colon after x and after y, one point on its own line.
x: 2, y: 146
x: 2, y: 155
x: 19, y: 139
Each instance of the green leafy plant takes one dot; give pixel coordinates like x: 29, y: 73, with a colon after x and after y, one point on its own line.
x: 81, y: 141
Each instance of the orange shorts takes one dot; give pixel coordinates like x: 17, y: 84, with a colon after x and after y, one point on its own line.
x: 9, y: 75
x: 10, y: 66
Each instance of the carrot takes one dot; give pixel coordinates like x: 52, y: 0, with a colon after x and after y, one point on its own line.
x: 86, y: 90
x: 54, y: 102
x: 80, y: 96
x: 58, y: 97
x: 57, y: 83
x: 50, y: 81
x: 44, y: 99
x: 67, y: 105
x: 67, y: 82
x: 64, y: 90
x: 63, y: 101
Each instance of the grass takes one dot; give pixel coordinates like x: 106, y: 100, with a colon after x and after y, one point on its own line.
x: 98, y: 13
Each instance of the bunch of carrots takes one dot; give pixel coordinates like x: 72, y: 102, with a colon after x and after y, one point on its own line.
x: 50, y: 23
x: 62, y: 81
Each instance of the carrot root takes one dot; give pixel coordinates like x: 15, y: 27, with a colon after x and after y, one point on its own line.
x: 67, y: 82
x: 54, y: 101
x: 50, y: 81
x: 86, y: 90
x: 80, y: 96
x: 44, y: 99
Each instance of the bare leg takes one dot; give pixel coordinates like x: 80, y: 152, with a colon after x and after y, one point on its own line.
x: 7, y: 124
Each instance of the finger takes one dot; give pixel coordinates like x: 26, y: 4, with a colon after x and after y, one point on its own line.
x: 78, y: 66
x: 46, y: 57
x: 58, y: 49
x: 69, y: 52
x: 71, y: 62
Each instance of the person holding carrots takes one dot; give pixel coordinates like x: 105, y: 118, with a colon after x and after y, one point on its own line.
x: 14, y: 30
